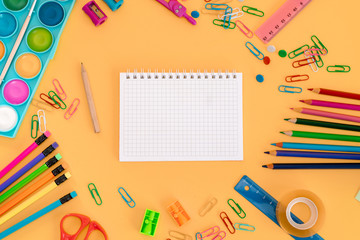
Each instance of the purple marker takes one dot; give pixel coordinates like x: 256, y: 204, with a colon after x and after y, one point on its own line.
x: 28, y: 166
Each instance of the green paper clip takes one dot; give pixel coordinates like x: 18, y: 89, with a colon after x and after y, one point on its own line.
x: 57, y: 102
x: 286, y: 89
x: 222, y: 23
x: 150, y: 221
x: 318, y: 43
x: 338, y: 68
x: 35, y: 122
x: 92, y: 188
x: 240, y: 212
x: 252, y: 11
x: 318, y: 60
x: 244, y: 227
x: 298, y: 51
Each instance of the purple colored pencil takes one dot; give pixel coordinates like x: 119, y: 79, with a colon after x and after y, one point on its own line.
x: 28, y: 166
x: 331, y: 104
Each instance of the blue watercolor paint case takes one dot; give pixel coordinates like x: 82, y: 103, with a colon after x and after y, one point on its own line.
x: 36, y: 49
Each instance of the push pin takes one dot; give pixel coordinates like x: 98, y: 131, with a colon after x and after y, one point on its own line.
x: 96, y: 15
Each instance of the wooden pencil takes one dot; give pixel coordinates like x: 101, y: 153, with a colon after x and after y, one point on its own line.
x: 315, y: 123
x: 335, y: 93
x: 294, y: 166
x: 312, y: 154
x: 331, y: 104
x: 333, y: 115
x: 327, y: 136
x: 321, y: 147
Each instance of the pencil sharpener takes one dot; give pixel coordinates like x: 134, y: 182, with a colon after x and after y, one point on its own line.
x: 96, y: 15
x: 114, y: 4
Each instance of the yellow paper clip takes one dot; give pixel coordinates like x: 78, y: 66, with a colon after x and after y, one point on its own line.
x: 72, y: 109
x: 40, y: 104
x: 239, y: 211
x: 34, y: 126
x: 92, y: 188
x: 179, y: 235
x: 42, y: 120
x: 207, y: 207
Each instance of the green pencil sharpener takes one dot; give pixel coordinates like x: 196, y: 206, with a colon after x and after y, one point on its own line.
x: 150, y: 221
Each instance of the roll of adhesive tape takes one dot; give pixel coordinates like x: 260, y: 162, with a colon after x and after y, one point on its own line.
x: 294, y: 227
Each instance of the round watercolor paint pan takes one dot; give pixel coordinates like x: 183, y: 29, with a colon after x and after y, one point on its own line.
x: 16, y: 92
x: 2, y: 50
x: 39, y: 39
x: 51, y: 14
x: 8, y: 118
x: 8, y: 24
x: 28, y: 65
x: 15, y: 5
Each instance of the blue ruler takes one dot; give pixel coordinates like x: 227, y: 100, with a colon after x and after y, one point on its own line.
x: 264, y: 202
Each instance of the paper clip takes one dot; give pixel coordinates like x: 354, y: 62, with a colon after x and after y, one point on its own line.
x: 40, y: 104
x: 221, y: 235
x: 200, y: 236
x: 303, y: 62
x: 315, y: 52
x: 179, y: 235
x: 72, y: 109
x: 236, y: 13
x: 34, y: 126
x: 212, y: 231
x: 286, y: 89
x: 252, y: 11
x: 298, y: 51
x: 244, y: 227
x: 225, y: 218
x: 257, y: 52
x: 58, y: 86
x: 338, y: 68
x: 311, y: 64
x: 249, y: 33
x: 221, y: 23
x: 318, y: 43
x: 227, y: 18
x: 45, y: 98
x: 297, y: 78
x: 318, y: 61
x: 240, y: 212
x: 216, y: 6
x: 53, y: 95
x: 92, y: 188
x: 207, y: 207
x: 129, y: 201
x: 41, y: 120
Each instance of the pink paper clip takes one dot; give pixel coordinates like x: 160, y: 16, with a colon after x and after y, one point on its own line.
x: 57, y: 85
x: 211, y: 231
x: 249, y: 33
x: 220, y: 236
x: 315, y: 52
x: 72, y: 109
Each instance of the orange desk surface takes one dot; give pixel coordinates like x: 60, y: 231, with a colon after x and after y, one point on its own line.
x: 142, y: 34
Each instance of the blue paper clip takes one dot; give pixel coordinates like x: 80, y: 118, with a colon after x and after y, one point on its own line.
x: 200, y: 236
x: 257, y: 52
x: 244, y: 227
x: 284, y: 88
x: 227, y: 17
x: 129, y: 201
x: 216, y: 6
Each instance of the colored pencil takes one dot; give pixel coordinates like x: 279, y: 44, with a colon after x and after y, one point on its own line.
x: 321, y: 147
x: 327, y: 114
x: 30, y: 177
x: 48, y: 188
x: 327, y: 136
x: 26, y: 152
x: 31, y: 189
x: 38, y: 214
x: 90, y: 99
x: 331, y: 104
x: 295, y: 166
x: 17, y: 43
x: 316, y: 123
x: 309, y: 154
x: 335, y: 93
x: 28, y: 166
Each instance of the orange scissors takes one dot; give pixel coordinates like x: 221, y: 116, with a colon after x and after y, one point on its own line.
x: 85, y: 221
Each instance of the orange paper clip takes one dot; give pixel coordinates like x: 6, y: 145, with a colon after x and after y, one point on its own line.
x: 297, y: 78
x: 226, y: 220
x: 58, y: 86
x: 178, y: 213
x: 72, y: 109
x: 303, y: 62
x: 48, y: 100
x: 248, y: 32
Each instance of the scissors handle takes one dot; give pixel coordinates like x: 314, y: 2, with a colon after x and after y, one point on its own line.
x: 95, y: 226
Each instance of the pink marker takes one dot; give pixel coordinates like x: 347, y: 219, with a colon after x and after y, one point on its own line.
x: 26, y: 152
x: 178, y: 9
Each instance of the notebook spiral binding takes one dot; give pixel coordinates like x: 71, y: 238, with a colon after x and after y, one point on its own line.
x: 178, y: 74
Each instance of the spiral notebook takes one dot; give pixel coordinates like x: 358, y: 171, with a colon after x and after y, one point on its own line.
x: 181, y: 117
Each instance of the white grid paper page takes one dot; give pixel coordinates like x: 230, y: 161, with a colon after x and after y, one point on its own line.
x: 181, y: 116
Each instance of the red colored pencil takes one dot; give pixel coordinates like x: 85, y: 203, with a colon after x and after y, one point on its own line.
x: 331, y: 104
x: 335, y: 93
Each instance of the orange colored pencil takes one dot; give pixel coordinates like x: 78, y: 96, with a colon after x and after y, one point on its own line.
x: 28, y: 191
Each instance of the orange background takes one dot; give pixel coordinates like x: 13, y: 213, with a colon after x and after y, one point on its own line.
x: 142, y: 34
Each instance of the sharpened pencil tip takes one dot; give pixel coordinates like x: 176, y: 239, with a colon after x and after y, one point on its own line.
x: 267, y: 152
x: 286, y: 119
x: 282, y: 132
x: 273, y: 144
x: 310, y: 89
x: 301, y: 101
x: 264, y: 166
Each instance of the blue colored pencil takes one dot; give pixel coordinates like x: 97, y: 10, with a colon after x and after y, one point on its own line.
x: 321, y: 147
x: 28, y: 166
x: 38, y: 214
x: 289, y: 166
x: 307, y: 154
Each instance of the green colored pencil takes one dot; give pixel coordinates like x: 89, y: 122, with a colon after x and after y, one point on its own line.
x: 327, y: 136
x: 315, y: 123
x: 30, y: 177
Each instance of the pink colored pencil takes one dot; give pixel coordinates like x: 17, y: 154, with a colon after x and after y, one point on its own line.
x: 332, y: 104
x: 26, y: 152
x: 327, y: 114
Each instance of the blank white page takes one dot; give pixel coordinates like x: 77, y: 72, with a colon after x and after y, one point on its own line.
x: 181, y: 117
